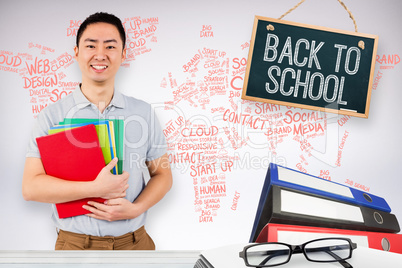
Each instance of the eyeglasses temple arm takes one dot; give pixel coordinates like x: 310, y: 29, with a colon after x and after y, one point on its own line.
x: 336, y: 257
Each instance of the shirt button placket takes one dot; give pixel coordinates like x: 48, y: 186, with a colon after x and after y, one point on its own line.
x: 105, y: 112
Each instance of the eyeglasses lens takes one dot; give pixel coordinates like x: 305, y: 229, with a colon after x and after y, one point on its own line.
x: 265, y: 255
x: 328, y: 250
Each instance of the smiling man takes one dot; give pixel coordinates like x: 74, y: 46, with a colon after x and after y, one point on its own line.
x: 118, y: 223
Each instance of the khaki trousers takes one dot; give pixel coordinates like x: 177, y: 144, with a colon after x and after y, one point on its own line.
x: 138, y: 240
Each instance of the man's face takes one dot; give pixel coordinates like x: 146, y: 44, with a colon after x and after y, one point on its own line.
x: 100, y: 53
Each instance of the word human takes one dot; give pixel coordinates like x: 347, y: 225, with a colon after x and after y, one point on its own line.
x: 313, y: 85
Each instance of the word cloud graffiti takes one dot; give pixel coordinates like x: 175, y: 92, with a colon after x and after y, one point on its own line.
x: 42, y: 73
x: 386, y: 62
x: 72, y: 28
x: 206, y: 31
x: 195, y: 149
x: 141, y: 33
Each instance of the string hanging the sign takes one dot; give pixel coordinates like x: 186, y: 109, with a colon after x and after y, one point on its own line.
x: 360, y: 44
x: 342, y: 3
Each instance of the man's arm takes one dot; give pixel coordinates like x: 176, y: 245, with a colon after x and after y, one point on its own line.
x: 38, y: 186
x: 120, y: 208
x: 160, y: 183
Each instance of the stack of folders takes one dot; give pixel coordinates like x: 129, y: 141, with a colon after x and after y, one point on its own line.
x: 295, y: 205
x: 77, y: 149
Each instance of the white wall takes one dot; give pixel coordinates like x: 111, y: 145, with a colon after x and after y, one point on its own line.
x: 371, y: 155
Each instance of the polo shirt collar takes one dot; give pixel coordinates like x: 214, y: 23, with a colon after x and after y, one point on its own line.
x: 117, y: 100
x: 81, y: 100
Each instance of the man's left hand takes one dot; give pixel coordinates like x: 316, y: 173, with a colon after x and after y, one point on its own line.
x: 112, y: 210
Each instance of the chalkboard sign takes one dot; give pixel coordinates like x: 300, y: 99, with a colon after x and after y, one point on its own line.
x: 310, y: 67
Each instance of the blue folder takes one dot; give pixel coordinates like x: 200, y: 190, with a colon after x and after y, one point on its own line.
x: 316, y: 185
x: 293, y: 179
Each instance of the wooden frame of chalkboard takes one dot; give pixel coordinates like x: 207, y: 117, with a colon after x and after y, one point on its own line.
x: 310, y: 67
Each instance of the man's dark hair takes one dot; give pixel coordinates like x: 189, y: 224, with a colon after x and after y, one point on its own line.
x: 102, y: 17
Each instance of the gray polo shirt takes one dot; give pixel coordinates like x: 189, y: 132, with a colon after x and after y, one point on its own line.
x: 143, y: 141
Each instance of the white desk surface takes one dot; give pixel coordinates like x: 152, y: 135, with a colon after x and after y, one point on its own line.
x: 362, y: 257
x: 98, y: 259
x: 223, y: 257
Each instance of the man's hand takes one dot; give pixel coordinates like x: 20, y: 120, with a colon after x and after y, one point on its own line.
x: 112, y: 210
x: 40, y: 187
x: 108, y: 185
x: 122, y: 209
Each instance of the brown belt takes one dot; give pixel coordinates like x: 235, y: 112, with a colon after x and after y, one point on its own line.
x: 89, y: 239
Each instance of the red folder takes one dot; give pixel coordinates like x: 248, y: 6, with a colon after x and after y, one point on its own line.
x: 376, y: 240
x: 74, y: 155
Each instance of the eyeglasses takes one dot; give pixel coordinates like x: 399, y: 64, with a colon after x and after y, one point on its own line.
x: 319, y: 250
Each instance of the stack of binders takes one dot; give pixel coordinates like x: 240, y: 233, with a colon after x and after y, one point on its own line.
x: 295, y: 205
x: 77, y: 149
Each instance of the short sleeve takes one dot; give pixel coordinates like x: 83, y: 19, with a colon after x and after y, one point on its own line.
x: 40, y: 128
x: 47, y: 118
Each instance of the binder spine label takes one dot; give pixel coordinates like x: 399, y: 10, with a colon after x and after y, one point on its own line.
x: 305, y: 180
x: 297, y: 203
